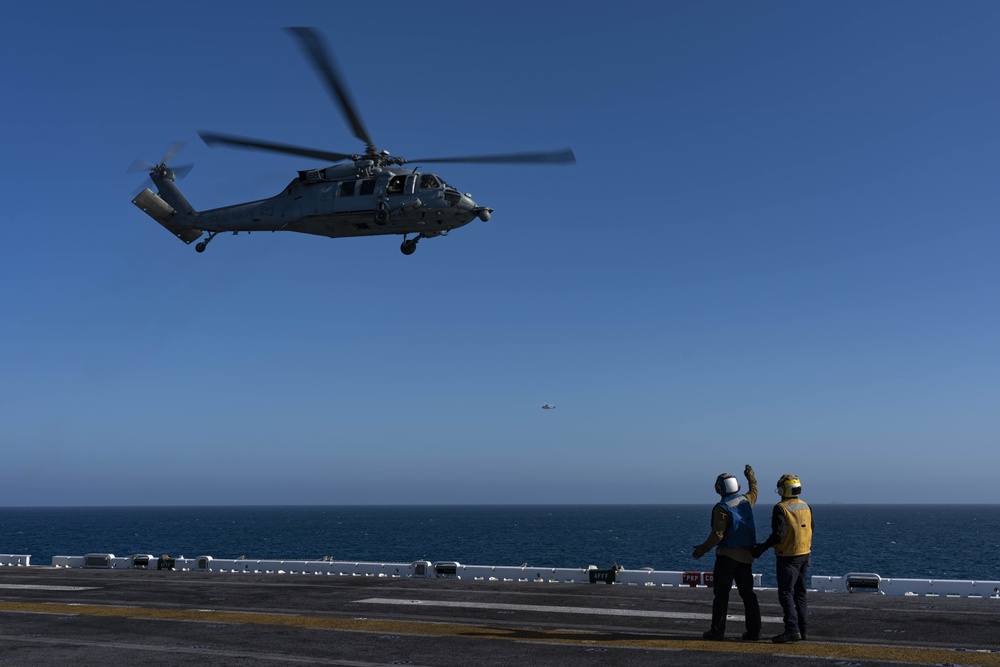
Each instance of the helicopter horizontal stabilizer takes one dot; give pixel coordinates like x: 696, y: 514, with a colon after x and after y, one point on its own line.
x: 164, y: 213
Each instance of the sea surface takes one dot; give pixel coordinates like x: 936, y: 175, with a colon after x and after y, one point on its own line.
x: 899, y: 541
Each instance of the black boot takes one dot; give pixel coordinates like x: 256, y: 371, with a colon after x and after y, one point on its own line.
x: 787, y: 636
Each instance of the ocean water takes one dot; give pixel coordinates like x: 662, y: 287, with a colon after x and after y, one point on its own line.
x: 900, y: 541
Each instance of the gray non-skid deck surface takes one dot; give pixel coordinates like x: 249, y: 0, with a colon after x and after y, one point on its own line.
x: 134, y: 617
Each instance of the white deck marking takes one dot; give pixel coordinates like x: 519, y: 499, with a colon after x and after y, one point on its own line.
x: 591, y: 611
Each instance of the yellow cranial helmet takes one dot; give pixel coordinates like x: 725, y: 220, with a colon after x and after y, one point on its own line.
x: 789, y: 486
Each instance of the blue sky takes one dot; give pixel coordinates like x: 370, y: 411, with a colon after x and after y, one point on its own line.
x: 778, y: 247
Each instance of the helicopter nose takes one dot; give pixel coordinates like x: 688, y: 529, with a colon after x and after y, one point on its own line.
x: 465, y: 204
x: 482, y: 212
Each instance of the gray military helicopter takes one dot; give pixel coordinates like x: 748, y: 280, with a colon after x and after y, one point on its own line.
x: 372, y: 194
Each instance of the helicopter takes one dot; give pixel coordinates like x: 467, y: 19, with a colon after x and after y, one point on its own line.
x: 548, y: 407
x: 371, y: 194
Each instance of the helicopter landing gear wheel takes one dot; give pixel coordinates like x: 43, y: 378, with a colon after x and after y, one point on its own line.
x: 204, y: 244
x: 408, y: 247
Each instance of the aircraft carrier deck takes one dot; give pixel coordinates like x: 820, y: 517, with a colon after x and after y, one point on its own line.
x: 69, y: 616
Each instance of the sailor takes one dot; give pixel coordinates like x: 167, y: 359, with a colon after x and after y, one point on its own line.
x: 791, y: 537
x: 735, y: 535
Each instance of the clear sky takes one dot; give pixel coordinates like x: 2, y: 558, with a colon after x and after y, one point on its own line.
x: 779, y: 246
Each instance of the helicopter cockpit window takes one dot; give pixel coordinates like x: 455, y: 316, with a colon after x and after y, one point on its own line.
x: 347, y: 189
x: 396, y: 185
x: 367, y: 187
x: 429, y: 182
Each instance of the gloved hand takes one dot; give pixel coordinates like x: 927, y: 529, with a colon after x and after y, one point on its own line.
x: 758, y: 550
x: 699, y: 551
x: 748, y: 472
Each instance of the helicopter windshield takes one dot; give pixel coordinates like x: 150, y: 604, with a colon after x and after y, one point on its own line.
x: 429, y: 182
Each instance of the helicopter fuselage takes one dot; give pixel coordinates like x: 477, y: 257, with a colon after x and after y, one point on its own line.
x: 340, y: 201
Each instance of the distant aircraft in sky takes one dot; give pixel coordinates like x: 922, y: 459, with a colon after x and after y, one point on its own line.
x: 548, y: 407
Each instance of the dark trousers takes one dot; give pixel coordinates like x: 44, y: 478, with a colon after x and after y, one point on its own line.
x: 725, y: 573
x: 792, y: 591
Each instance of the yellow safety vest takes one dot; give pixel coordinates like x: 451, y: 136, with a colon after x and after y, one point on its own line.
x: 798, y: 536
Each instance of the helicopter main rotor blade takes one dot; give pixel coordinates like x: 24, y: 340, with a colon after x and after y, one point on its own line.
x: 564, y: 156
x: 212, y: 138
x: 312, y: 44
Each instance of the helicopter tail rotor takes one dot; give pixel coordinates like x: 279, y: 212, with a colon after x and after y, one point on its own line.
x: 168, y: 207
x: 176, y: 173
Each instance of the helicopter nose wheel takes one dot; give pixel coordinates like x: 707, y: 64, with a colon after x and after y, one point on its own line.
x: 204, y: 244
x: 408, y: 247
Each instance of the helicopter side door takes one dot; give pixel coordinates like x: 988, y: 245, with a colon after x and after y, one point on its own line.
x: 353, y: 195
x: 400, y: 184
x: 343, y: 200
x: 398, y: 189
x: 367, y: 193
x: 401, y: 195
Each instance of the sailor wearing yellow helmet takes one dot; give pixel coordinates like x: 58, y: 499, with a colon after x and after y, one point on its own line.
x: 791, y: 537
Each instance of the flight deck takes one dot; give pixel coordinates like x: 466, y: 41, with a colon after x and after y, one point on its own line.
x: 61, y: 616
